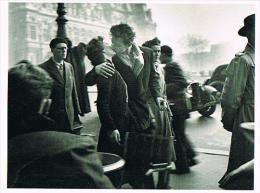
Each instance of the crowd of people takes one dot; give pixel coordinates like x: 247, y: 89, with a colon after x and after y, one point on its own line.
x: 135, y: 86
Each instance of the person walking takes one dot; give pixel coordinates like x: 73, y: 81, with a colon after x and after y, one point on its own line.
x: 175, y: 89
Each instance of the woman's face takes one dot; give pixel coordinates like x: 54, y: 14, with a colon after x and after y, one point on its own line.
x: 156, y: 52
x: 118, y: 45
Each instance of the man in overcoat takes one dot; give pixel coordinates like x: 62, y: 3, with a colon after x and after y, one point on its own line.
x: 38, y: 156
x: 238, y: 103
x: 64, y: 94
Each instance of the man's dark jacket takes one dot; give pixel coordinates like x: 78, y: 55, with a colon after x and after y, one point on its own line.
x: 64, y: 95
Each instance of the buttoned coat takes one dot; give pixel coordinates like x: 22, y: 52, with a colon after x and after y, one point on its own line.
x: 64, y: 95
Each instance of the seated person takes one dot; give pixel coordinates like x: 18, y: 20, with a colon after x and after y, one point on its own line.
x: 112, y: 103
x: 37, y: 156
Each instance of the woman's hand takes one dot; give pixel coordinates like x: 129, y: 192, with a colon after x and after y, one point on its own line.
x: 115, y: 136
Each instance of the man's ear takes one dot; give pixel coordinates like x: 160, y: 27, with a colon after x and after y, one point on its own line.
x: 44, y: 106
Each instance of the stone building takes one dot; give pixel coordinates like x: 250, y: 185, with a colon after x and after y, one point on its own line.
x: 33, y: 25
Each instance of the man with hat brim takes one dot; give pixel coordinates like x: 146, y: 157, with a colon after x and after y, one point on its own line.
x: 238, y: 104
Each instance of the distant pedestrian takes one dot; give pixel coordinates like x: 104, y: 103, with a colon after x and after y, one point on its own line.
x: 238, y: 101
x: 162, y: 118
x: 175, y: 88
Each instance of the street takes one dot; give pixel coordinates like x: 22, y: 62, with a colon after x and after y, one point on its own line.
x: 207, y: 133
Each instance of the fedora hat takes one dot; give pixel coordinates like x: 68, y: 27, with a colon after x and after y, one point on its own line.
x: 249, y: 23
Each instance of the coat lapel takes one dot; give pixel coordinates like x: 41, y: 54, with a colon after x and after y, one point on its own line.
x: 53, y: 71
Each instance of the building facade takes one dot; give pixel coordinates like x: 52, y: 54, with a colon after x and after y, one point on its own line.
x: 33, y: 25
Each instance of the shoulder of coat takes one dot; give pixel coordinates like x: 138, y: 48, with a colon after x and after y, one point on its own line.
x: 240, y: 54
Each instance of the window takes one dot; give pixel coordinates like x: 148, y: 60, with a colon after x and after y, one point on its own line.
x: 33, y: 34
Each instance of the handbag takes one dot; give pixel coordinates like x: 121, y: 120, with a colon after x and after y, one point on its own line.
x: 142, y: 148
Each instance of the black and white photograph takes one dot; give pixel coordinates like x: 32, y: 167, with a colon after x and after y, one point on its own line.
x: 129, y: 95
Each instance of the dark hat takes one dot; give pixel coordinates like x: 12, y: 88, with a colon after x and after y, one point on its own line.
x: 166, y: 50
x: 249, y: 23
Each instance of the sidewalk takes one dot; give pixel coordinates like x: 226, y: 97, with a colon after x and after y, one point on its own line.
x: 203, y: 176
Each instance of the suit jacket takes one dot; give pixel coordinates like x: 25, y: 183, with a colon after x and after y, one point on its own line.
x: 50, y: 159
x: 64, y: 95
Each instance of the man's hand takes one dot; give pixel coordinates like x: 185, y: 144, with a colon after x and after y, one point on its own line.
x: 105, y: 69
x: 162, y: 104
x: 115, y: 136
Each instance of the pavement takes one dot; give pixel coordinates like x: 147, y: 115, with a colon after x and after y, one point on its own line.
x: 203, y: 176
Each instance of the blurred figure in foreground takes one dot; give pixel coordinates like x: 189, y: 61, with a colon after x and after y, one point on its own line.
x: 175, y: 89
x: 39, y: 157
x: 238, y: 100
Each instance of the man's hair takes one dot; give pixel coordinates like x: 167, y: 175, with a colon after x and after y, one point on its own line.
x: 56, y: 41
x: 150, y: 43
x: 166, y: 50
x: 27, y: 85
x: 123, y: 31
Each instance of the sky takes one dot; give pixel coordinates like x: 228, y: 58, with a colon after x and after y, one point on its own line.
x: 218, y: 23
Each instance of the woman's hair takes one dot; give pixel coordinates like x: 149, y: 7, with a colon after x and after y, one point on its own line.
x: 95, y: 51
x: 150, y: 43
x: 123, y: 31
x: 27, y: 86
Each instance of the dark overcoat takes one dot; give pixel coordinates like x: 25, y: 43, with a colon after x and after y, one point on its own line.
x: 78, y: 64
x: 140, y: 88
x: 64, y: 95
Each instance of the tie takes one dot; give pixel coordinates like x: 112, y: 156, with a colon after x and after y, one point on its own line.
x: 60, y: 68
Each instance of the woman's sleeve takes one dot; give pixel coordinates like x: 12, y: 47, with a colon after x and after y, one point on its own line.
x: 104, y: 86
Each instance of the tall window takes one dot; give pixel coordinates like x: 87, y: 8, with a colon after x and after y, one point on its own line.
x: 33, y: 34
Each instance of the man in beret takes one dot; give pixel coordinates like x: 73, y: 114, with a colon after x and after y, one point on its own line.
x: 238, y: 104
x: 64, y: 94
